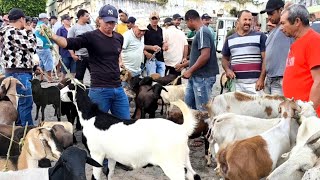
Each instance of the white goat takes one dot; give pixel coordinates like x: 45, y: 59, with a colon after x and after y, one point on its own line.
x: 39, y: 143
x: 265, y: 106
x: 110, y: 137
x: 175, y: 92
x: 302, y: 158
x: 313, y: 173
x: 254, y: 158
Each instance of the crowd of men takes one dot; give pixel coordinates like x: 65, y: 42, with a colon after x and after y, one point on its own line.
x: 284, y: 62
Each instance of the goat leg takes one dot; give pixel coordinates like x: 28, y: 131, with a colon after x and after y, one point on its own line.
x: 42, y: 112
x: 58, y: 113
x: 206, y: 151
x: 37, y: 113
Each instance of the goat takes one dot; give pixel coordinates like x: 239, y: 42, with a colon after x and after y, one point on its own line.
x: 313, y: 173
x: 68, y: 108
x: 45, y: 96
x: 166, y: 79
x: 147, y: 100
x: 264, y: 149
x: 39, y: 143
x: 241, y: 127
x: 265, y: 106
x: 176, y: 116
x: 104, y: 132
x: 9, y: 100
x: 173, y: 93
x: 70, y: 166
x: 302, y: 158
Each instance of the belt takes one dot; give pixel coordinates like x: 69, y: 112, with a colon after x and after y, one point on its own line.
x: 18, y: 70
x: 275, y: 78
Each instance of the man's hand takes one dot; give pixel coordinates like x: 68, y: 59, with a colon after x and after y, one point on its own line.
x: 178, y: 67
x: 230, y: 74
x: 148, y: 55
x: 187, y: 74
x: 75, y: 57
x: 259, y: 84
x: 156, y: 48
x: 184, y: 60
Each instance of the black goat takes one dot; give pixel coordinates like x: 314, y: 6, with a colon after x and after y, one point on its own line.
x: 164, y: 81
x: 147, y: 100
x: 45, y: 96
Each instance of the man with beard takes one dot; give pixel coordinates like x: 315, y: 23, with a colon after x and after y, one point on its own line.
x: 277, y: 47
x: 301, y: 78
x: 244, y: 56
x: 203, y: 66
x: 81, y: 56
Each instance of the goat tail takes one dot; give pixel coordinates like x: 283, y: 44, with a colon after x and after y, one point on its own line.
x: 189, y: 121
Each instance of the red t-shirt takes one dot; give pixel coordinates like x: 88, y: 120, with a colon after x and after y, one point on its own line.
x: 304, y: 54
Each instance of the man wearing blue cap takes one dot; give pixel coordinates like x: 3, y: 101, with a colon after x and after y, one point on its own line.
x: 104, y: 47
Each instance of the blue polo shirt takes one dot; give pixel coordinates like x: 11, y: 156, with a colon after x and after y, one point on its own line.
x: 62, y: 31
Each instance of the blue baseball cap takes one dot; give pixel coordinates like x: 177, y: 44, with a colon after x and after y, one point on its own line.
x: 108, y: 13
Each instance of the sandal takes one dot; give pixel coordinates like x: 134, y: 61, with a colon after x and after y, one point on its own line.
x: 196, y: 143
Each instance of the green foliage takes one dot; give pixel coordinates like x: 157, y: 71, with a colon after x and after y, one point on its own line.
x: 30, y: 7
x: 234, y: 12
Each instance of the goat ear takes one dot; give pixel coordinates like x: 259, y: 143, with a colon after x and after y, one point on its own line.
x: 165, y: 89
x: 92, y: 162
x: 55, y: 167
x: 314, y: 143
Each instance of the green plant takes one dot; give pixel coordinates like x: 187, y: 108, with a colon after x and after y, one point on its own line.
x: 30, y: 7
x: 234, y: 12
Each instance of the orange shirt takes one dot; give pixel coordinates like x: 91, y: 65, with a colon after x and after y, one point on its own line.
x: 304, y: 54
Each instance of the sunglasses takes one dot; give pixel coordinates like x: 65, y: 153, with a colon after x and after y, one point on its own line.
x: 154, y: 18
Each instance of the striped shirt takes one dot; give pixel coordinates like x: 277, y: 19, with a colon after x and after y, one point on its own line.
x: 245, y: 55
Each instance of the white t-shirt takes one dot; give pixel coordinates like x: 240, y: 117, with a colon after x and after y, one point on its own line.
x: 132, y: 51
x: 176, y: 41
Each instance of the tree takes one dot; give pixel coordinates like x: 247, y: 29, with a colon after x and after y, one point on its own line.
x: 30, y: 7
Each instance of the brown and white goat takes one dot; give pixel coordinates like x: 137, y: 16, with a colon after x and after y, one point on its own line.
x: 254, y: 158
x: 39, y: 143
x: 9, y: 102
x: 265, y: 106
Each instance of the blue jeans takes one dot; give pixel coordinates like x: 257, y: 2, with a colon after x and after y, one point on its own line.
x: 24, y: 103
x: 113, y: 99
x: 46, y: 59
x: 198, y: 92
x: 155, y: 66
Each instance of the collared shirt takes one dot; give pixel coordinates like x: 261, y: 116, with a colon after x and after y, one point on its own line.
x: 18, y: 47
x: 176, y: 41
x: 132, y: 51
x: 56, y: 26
x: 62, y: 31
x: 154, y: 37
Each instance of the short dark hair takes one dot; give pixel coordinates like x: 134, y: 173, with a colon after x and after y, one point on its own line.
x: 312, y: 15
x: 191, y: 14
x: 241, y: 12
x: 81, y: 12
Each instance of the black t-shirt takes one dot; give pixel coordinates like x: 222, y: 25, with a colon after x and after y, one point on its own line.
x: 154, y: 37
x: 104, y: 54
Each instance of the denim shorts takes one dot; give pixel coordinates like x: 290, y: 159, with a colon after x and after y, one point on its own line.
x: 113, y: 99
x: 199, y: 91
x: 46, y: 59
x: 70, y: 64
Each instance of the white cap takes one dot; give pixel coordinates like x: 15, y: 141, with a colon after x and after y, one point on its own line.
x: 142, y: 24
x: 43, y: 15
